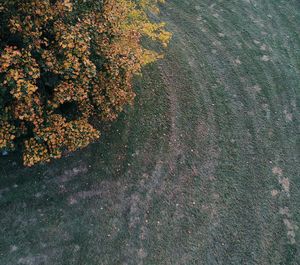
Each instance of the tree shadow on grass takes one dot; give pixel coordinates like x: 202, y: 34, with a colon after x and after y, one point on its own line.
x: 97, y: 156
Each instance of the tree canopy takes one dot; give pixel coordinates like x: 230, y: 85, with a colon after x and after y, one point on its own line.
x: 65, y: 63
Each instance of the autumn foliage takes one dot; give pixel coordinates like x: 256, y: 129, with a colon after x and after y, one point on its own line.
x: 65, y: 64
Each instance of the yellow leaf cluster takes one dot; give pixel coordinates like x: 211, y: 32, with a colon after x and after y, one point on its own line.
x: 35, y: 152
x: 79, y: 134
x: 21, y: 72
x: 7, y: 135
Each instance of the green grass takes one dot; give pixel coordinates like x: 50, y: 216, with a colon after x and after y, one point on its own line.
x: 186, y: 175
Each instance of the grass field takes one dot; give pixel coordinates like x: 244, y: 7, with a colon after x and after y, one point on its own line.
x: 204, y: 169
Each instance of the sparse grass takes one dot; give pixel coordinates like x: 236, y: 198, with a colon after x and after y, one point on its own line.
x: 184, y: 177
